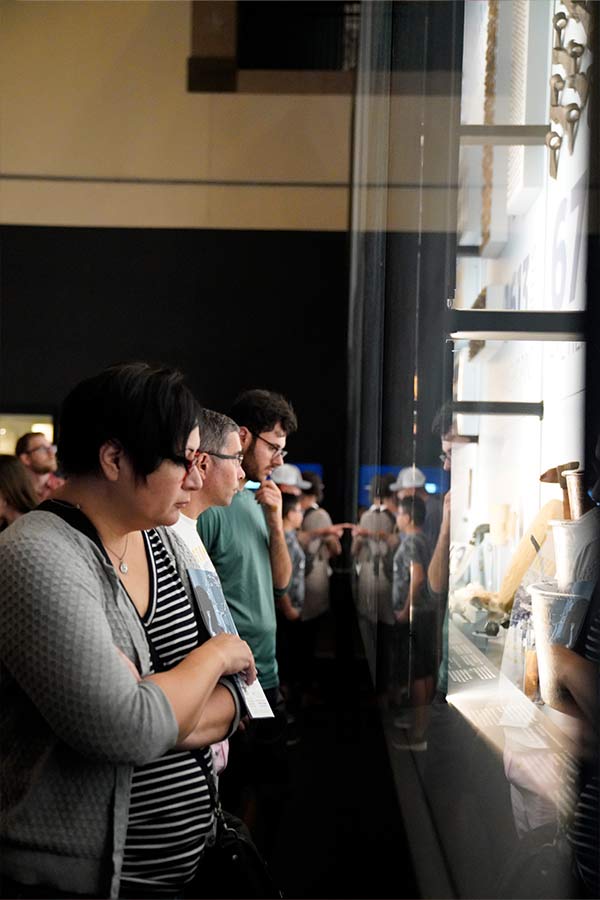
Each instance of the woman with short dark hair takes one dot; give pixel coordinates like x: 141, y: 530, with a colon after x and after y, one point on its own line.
x: 16, y: 491
x: 113, y: 690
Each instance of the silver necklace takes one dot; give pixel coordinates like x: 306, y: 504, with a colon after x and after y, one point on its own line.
x: 123, y: 567
x: 67, y: 504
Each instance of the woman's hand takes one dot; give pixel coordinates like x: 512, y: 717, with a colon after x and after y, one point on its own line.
x: 236, y: 655
x: 191, y: 685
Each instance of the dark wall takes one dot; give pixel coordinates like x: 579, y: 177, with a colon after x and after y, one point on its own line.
x: 232, y: 309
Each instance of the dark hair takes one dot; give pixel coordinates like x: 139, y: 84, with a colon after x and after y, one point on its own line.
x: 215, y: 427
x: 259, y: 410
x: 380, y: 485
x: 415, y: 508
x: 443, y: 420
x: 316, y: 486
x: 148, y: 410
x: 288, y: 501
x: 22, y: 445
x: 15, y: 484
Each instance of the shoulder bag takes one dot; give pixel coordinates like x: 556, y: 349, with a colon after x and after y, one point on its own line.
x: 231, y: 868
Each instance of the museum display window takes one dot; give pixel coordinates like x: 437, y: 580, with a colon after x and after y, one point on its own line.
x: 471, y: 193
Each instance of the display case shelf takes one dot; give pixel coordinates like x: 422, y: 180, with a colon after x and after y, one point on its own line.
x: 515, y: 325
x: 503, y: 135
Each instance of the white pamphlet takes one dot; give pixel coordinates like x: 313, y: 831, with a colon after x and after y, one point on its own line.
x: 217, y: 618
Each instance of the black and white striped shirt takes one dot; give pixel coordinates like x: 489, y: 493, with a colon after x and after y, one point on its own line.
x: 170, y: 811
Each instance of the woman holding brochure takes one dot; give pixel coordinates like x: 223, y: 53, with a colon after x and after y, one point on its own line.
x: 112, y: 688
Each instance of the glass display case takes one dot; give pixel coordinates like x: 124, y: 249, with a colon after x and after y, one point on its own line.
x: 474, y: 129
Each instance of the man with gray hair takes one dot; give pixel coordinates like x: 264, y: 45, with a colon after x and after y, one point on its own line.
x: 220, y: 467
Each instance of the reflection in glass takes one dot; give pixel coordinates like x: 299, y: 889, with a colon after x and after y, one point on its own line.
x: 461, y: 203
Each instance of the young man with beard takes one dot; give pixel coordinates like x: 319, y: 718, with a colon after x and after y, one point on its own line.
x: 39, y: 458
x: 246, y: 543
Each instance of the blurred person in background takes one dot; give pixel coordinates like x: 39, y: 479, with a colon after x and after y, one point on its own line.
x: 289, y: 612
x: 411, y: 483
x: 321, y: 541
x: 38, y: 456
x: 415, y: 616
x: 288, y: 479
x: 17, y: 495
x: 374, y: 540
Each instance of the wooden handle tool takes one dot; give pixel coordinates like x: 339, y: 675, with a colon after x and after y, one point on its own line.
x: 526, y: 551
x: 555, y: 476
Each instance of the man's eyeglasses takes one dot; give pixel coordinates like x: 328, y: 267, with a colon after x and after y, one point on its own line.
x: 188, y: 462
x: 275, y: 450
x: 445, y: 457
x: 47, y: 448
x: 239, y: 457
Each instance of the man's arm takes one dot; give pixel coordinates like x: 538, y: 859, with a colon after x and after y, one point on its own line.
x: 287, y: 608
x: 281, y: 564
x: 269, y: 497
x: 331, y: 538
x: 578, y: 678
x: 417, y: 580
x: 439, y: 566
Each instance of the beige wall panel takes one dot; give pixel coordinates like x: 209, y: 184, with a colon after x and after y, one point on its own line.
x: 301, y: 209
x: 280, y: 138
x: 402, y: 155
x: 406, y: 114
x: 77, y: 204
x: 373, y: 139
x: 215, y: 206
x: 410, y: 209
x: 95, y: 88
x: 99, y: 89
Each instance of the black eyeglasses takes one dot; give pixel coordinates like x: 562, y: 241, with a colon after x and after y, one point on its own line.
x: 188, y: 463
x: 275, y: 450
x: 239, y: 457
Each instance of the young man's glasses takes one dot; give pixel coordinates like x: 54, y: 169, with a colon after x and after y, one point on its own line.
x: 275, y: 450
x: 47, y: 448
x: 239, y: 457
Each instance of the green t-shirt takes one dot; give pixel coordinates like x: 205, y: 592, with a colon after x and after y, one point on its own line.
x: 236, y: 538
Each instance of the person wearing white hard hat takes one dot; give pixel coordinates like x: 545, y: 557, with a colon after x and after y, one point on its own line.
x: 320, y: 538
x: 411, y: 483
x: 289, y: 479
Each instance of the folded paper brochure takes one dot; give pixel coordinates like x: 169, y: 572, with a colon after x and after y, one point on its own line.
x: 217, y: 618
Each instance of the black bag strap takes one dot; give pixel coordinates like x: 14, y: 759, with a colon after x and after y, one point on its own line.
x: 210, y: 783
x: 76, y: 518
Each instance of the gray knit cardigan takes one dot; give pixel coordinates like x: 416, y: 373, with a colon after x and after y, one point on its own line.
x: 74, y: 722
